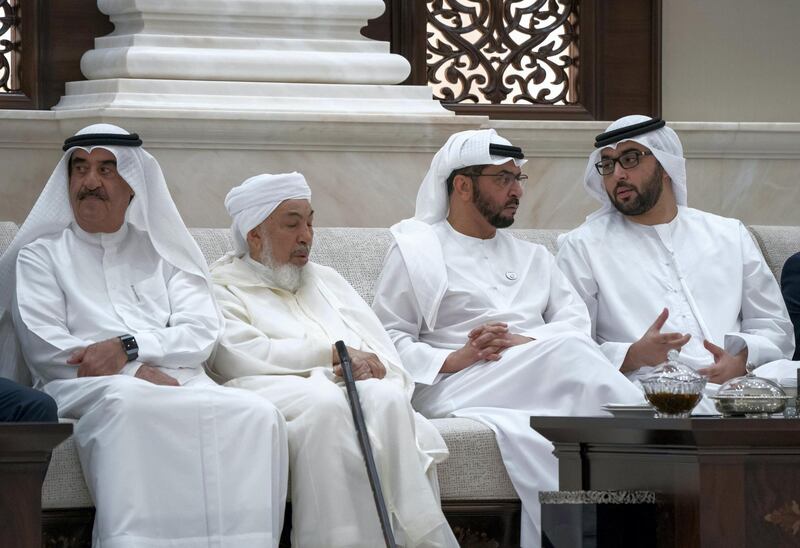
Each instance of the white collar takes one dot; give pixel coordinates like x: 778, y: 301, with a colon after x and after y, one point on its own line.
x: 104, y: 239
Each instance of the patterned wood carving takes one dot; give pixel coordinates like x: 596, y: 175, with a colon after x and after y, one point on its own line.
x: 772, y: 503
x: 605, y: 61
x: 484, y: 524
x: 787, y: 517
x: 9, y: 46
x: 69, y: 528
x: 50, y: 38
x: 503, y: 51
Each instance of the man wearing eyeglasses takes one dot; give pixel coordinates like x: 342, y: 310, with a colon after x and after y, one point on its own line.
x: 657, y: 275
x: 485, y: 323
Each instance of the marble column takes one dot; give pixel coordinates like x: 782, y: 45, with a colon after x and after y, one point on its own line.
x: 245, y: 56
x: 223, y: 89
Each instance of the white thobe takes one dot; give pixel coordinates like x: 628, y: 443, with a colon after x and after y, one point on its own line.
x: 197, y: 465
x: 278, y: 344
x: 704, y: 268
x: 561, y: 372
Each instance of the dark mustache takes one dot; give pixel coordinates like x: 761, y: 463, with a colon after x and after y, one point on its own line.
x: 96, y: 192
x: 626, y: 186
x: 512, y: 201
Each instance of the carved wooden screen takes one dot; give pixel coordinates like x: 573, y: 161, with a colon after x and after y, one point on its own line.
x: 546, y: 59
x: 42, y: 47
x: 9, y: 46
x: 503, y: 51
x: 11, y: 33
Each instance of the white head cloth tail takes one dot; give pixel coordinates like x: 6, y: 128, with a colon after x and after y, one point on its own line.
x: 152, y: 210
x: 664, y: 144
x: 250, y: 203
x: 415, y: 238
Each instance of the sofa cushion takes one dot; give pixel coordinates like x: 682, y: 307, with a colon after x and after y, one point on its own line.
x: 545, y: 237
x: 213, y: 242
x: 475, y: 468
x: 7, y: 232
x: 777, y: 243
x: 64, y: 485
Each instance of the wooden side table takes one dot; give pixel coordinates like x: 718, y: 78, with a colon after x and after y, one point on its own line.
x: 24, y: 454
x: 731, y: 483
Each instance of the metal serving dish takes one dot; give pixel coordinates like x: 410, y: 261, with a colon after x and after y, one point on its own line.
x: 750, y: 396
x: 750, y: 406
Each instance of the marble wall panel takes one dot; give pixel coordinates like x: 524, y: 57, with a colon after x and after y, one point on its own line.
x: 730, y: 173
x: 349, y: 188
x: 730, y: 60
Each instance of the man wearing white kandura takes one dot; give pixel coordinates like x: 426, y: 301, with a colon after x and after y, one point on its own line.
x: 114, y: 315
x: 487, y: 325
x: 658, y: 275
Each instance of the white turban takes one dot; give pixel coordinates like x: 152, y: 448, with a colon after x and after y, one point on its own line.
x: 664, y: 144
x: 415, y: 238
x: 250, y: 203
x: 152, y: 211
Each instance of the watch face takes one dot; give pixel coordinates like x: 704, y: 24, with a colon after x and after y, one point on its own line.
x: 130, y: 346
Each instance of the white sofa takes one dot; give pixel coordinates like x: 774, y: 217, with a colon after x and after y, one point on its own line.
x: 477, y: 495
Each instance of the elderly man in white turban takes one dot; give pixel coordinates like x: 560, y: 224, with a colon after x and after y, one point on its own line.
x: 487, y: 325
x: 114, y: 313
x: 657, y: 275
x: 282, y: 315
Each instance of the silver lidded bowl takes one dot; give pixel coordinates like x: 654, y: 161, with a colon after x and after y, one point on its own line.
x: 750, y: 396
x: 673, y: 388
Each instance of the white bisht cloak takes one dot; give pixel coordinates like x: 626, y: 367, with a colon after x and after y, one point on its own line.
x: 278, y: 344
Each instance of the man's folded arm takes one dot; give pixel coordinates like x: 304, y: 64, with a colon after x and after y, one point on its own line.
x: 395, y: 306
x: 189, y: 337
x: 244, y: 350
x: 39, y: 316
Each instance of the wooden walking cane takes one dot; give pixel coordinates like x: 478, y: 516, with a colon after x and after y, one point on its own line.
x: 363, y: 441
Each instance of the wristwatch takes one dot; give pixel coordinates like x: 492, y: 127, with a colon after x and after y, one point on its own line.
x: 130, y: 347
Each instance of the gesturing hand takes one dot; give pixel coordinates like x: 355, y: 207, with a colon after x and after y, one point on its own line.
x: 725, y: 365
x: 99, y: 359
x: 485, y: 342
x: 155, y: 376
x: 365, y: 365
x: 652, y: 348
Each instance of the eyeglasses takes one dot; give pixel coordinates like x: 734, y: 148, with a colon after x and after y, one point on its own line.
x: 505, y: 179
x: 627, y: 161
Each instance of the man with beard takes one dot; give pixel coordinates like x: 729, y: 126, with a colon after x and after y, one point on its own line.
x: 114, y: 315
x: 282, y: 315
x: 657, y: 275
x: 487, y: 325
